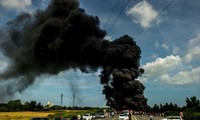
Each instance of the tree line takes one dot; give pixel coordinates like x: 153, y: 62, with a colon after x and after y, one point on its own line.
x: 17, y: 105
x: 192, y: 105
x: 191, y: 110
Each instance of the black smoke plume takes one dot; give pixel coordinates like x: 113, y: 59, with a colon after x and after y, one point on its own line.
x: 64, y: 37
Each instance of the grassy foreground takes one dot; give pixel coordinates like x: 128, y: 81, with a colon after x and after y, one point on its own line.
x: 23, y: 115
x: 29, y: 114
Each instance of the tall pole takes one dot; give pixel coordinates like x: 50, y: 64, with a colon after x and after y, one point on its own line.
x: 61, y: 99
x: 74, y: 99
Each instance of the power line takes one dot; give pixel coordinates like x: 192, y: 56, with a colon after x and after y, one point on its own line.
x: 146, y: 27
x: 89, y: 96
x: 184, y: 55
x: 118, y: 16
x: 188, y: 39
x: 111, y: 13
x: 173, y: 63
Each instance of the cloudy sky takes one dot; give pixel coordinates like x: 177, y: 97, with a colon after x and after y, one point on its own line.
x: 167, y: 31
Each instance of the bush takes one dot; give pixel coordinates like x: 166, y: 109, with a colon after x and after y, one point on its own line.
x: 192, y: 116
x: 3, y: 109
x: 171, y: 113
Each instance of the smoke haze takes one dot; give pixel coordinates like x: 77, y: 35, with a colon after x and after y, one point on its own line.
x: 64, y: 37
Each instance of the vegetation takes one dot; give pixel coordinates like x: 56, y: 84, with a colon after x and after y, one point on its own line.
x: 191, y: 109
x: 24, y: 115
x: 16, y: 105
x: 14, y: 109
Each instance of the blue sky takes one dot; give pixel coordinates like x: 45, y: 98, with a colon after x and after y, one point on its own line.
x: 167, y: 32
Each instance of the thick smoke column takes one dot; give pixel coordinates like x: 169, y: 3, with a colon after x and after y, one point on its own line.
x: 64, y: 37
x: 121, y: 68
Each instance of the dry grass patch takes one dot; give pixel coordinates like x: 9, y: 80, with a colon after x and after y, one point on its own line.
x: 23, y: 115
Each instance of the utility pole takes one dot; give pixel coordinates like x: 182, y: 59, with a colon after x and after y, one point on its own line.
x: 74, y: 99
x: 61, y: 100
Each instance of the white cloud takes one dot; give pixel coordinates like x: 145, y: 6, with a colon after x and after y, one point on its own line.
x: 193, y: 53
x: 173, y: 69
x: 19, y: 5
x: 161, y: 65
x: 175, y: 49
x: 183, y: 77
x: 143, y: 13
x: 194, y: 42
x: 154, y: 56
x: 193, y: 48
x: 165, y: 70
x: 165, y: 46
x: 108, y: 38
x: 143, y: 80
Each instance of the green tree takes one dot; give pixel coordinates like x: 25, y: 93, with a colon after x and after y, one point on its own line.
x: 39, y: 106
x: 33, y: 105
x: 193, y: 103
x: 26, y: 106
x: 14, y: 105
x: 156, y: 108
